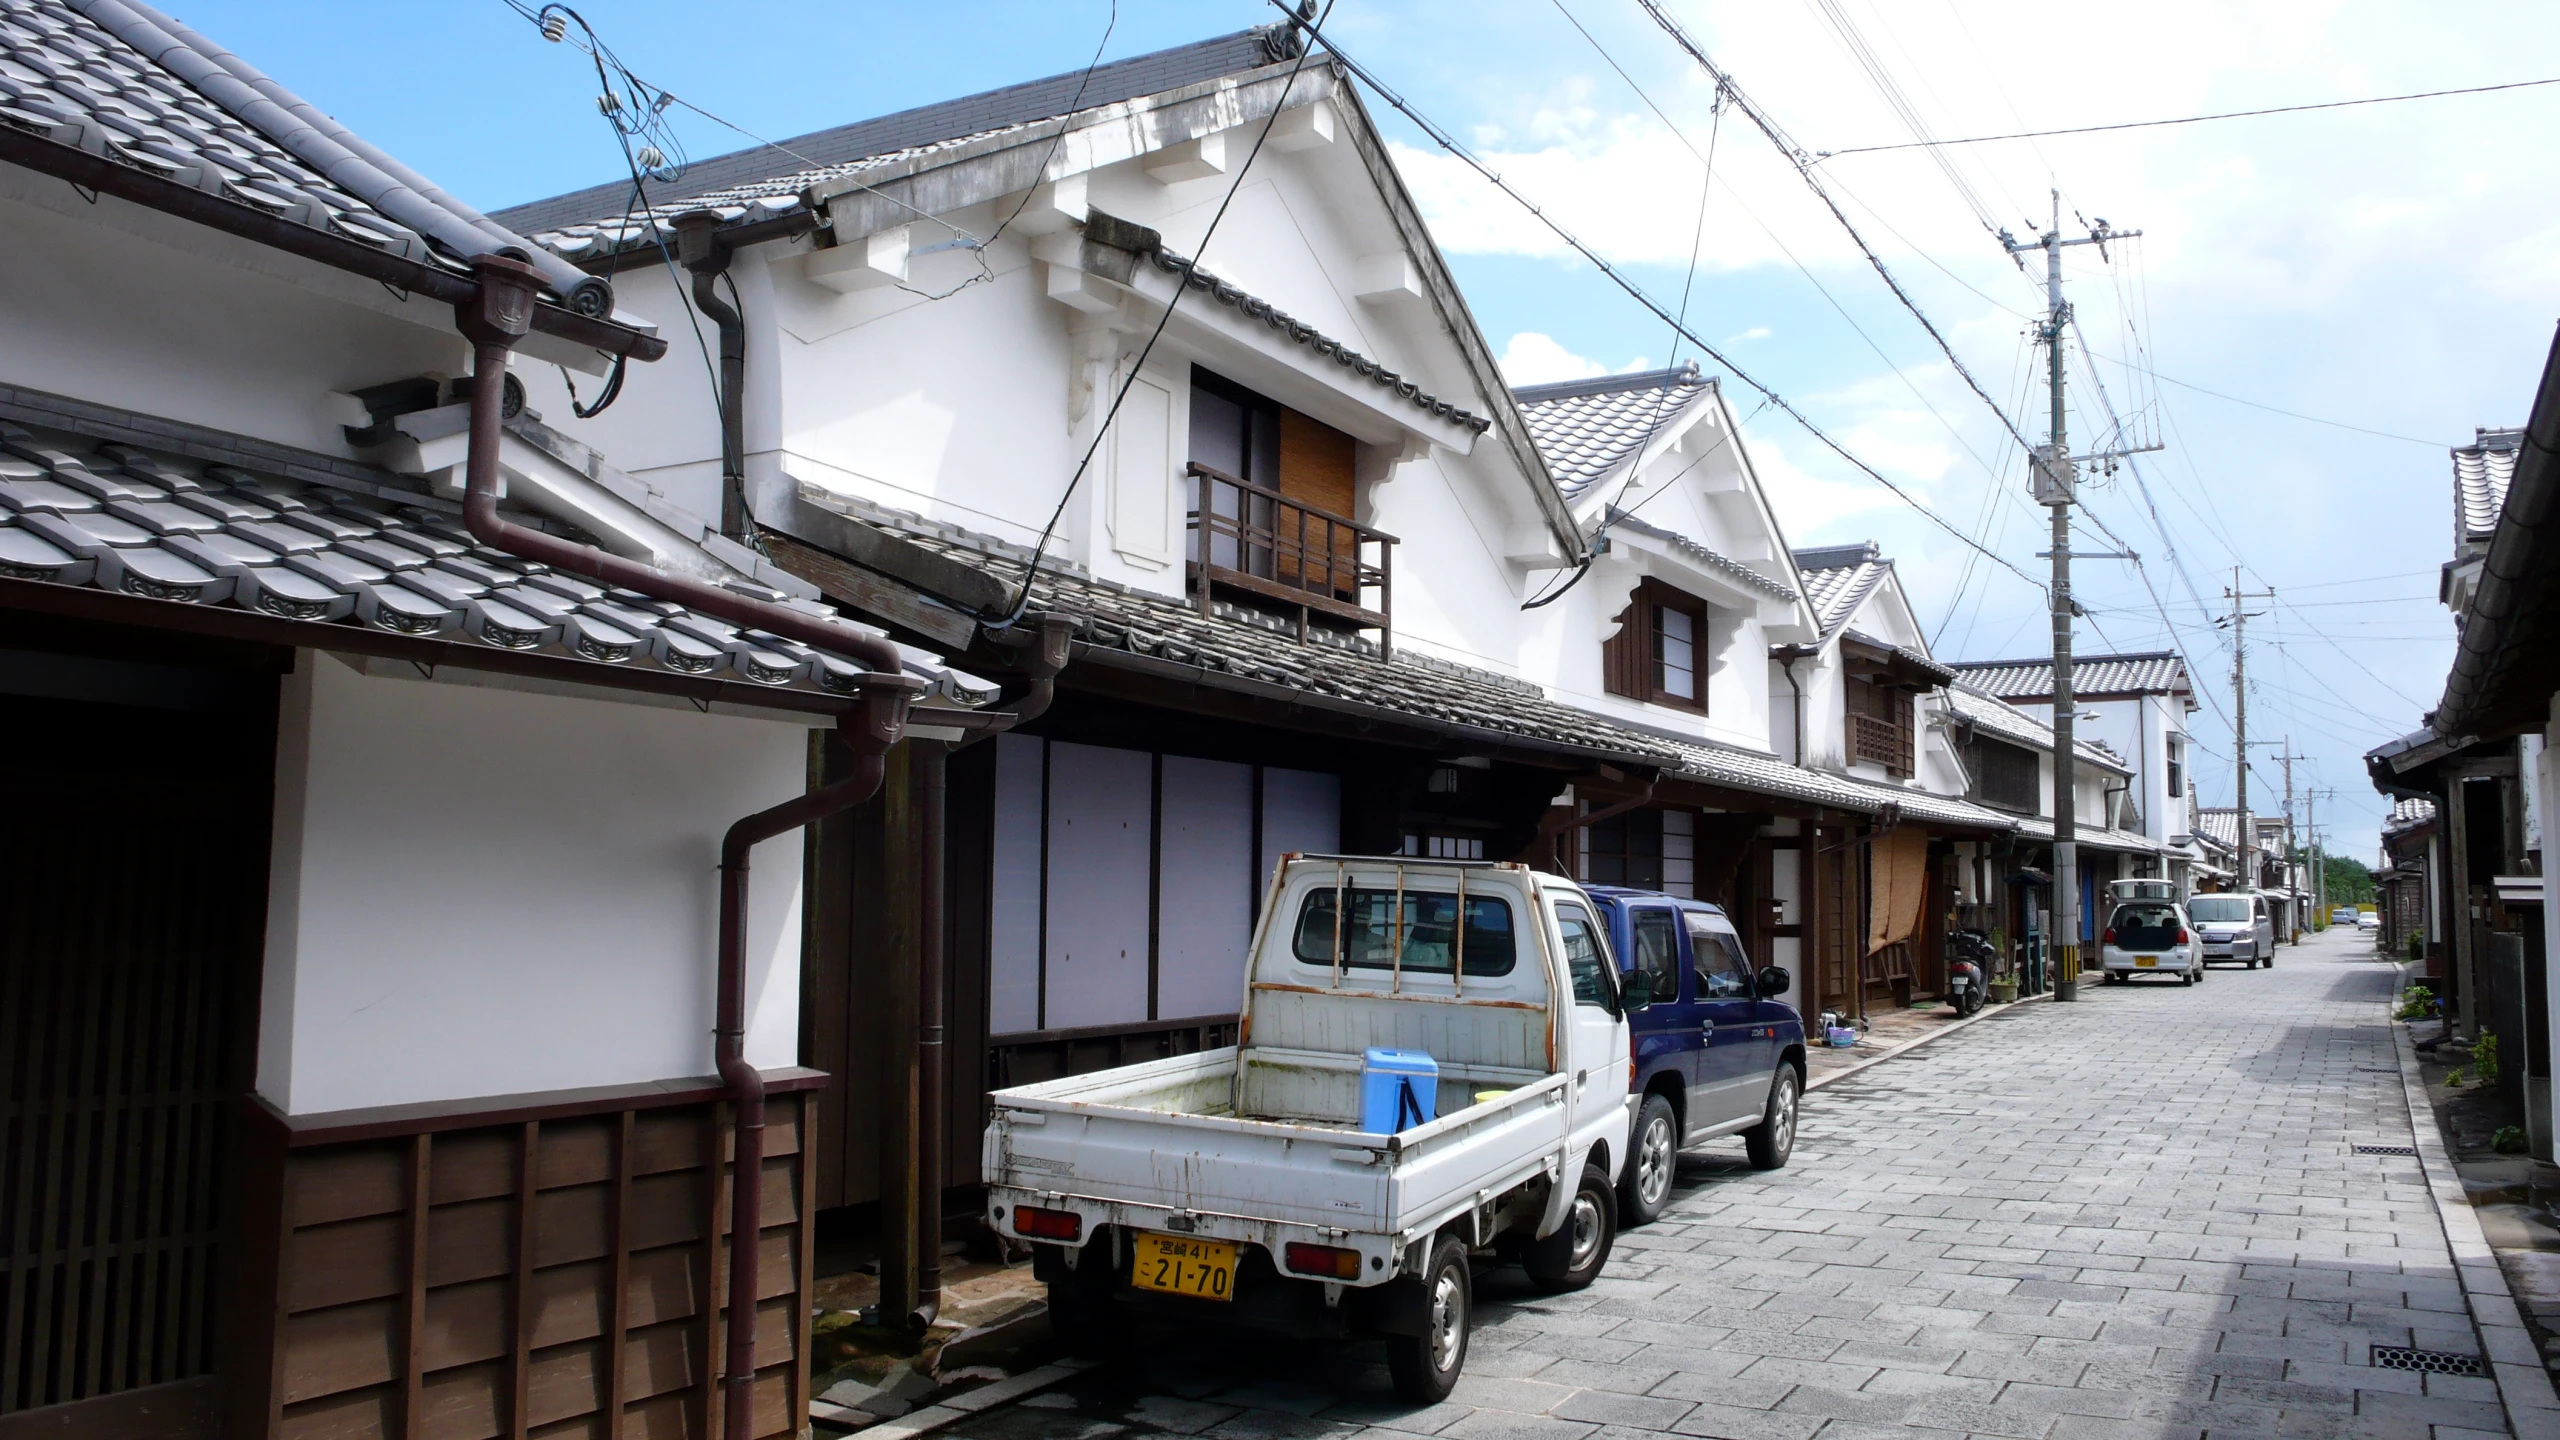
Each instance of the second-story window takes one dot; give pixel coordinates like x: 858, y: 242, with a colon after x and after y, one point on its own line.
x: 1879, y: 723
x: 2177, y: 772
x: 1272, y: 493
x: 2005, y: 775
x: 1660, y: 651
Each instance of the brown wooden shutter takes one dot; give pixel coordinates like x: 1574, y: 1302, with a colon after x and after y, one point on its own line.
x: 1316, y: 465
x: 1626, y: 658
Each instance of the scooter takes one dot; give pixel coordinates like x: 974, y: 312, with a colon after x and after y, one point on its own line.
x: 1969, y: 956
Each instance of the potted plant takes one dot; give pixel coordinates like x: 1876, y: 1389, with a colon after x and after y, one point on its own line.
x: 2004, y: 986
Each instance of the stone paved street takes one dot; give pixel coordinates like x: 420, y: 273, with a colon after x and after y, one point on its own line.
x: 2138, y: 1216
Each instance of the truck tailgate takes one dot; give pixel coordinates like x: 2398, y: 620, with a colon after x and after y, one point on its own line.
x: 1122, y: 1149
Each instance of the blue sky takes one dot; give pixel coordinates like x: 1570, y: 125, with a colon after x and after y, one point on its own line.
x: 2391, y: 267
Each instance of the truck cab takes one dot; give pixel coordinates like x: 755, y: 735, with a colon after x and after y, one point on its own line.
x: 1716, y: 1053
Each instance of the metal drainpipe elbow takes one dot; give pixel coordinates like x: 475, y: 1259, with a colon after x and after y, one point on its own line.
x: 702, y: 252
x: 498, y: 314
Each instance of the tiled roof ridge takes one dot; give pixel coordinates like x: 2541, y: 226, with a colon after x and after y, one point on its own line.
x: 1678, y: 375
x: 843, y: 148
x: 1846, y: 556
x: 117, y: 103
x: 1712, y: 559
x: 1254, y: 307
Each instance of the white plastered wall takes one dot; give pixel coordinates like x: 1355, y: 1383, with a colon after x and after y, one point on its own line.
x: 480, y: 891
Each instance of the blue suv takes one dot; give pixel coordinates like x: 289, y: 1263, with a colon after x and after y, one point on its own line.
x: 1715, y: 1054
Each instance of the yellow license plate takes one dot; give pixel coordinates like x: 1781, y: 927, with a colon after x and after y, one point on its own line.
x: 2145, y: 962
x: 1181, y: 1265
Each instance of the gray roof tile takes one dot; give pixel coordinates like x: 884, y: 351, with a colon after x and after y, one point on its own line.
x: 1253, y: 646
x: 64, y: 78
x: 345, y: 558
x: 2158, y: 672
x: 1589, y: 429
x: 1838, y: 579
x: 1988, y: 712
x: 2481, y: 473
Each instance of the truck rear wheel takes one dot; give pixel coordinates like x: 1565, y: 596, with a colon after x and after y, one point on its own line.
x: 1573, y: 1256
x: 1426, y: 1366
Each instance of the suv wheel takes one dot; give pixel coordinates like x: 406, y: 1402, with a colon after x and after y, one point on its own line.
x: 1654, y: 1157
x: 1770, y: 1142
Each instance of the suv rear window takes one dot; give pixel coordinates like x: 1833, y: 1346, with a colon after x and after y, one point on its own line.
x: 1371, y: 930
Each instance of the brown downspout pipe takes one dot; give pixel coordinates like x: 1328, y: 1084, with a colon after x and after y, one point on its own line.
x: 932, y: 761
x: 702, y: 252
x: 493, y: 319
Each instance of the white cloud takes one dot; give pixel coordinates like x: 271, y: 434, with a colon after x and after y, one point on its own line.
x: 1532, y: 358
x: 1535, y: 359
x: 1756, y: 332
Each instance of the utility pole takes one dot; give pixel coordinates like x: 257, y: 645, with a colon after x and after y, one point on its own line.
x: 2292, y: 851
x: 2239, y: 620
x: 2055, y: 477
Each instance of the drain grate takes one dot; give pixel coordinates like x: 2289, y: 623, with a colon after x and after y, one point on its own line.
x: 2387, y: 1150
x: 2425, y: 1362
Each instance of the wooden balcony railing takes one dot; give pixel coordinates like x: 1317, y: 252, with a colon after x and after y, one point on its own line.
x: 1881, y: 741
x: 1252, y: 538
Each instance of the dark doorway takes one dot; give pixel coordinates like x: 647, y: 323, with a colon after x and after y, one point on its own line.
x: 138, y: 773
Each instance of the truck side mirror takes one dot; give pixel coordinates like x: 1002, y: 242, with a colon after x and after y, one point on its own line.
x: 1774, y: 980
x: 1635, y: 991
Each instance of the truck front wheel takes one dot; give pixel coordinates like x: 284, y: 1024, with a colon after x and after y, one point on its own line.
x: 1426, y: 1366
x: 1572, y: 1257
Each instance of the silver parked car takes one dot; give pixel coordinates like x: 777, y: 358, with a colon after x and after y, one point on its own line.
x: 2234, y: 926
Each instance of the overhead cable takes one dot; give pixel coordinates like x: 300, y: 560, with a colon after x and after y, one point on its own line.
x: 1449, y: 143
x: 2181, y: 120
x: 1796, y: 156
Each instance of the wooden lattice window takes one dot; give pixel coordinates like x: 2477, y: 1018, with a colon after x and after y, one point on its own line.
x: 1659, y: 653
x: 1879, y: 723
x: 2005, y: 775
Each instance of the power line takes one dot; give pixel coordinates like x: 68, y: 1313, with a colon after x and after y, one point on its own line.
x: 1449, y: 143
x: 1795, y: 156
x: 2181, y: 120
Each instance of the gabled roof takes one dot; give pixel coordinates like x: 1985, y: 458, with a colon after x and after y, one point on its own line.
x: 1839, y: 578
x: 1996, y: 716
x: 334, y: 547
x: 1712, y: 560
x: 2223, y: 824
x: 2482, y: 471
x: 771, y: 177
x: 2156, y: 672
x: 1590, y: 430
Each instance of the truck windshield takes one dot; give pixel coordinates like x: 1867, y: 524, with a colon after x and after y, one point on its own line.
x: 2219, y: 909
x: 1371, y: 928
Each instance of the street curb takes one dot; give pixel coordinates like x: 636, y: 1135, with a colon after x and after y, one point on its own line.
x: 2524, y: 1386
x: 1916, y: 1042
x: 954, y: 1408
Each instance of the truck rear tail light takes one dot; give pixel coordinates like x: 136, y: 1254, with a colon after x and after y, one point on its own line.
x: 1330, y: 1261
x: 1034, y: 1223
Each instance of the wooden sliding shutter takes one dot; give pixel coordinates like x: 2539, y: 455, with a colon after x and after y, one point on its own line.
x: 1316, y: 470
x: 1626, y: 658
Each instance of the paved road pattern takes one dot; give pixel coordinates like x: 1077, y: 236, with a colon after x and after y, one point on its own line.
x: 2141, y: 1215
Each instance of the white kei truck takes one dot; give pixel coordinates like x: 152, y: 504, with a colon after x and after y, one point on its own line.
x: 1237, y: 1185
